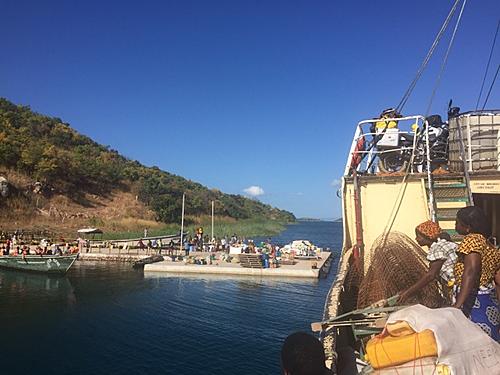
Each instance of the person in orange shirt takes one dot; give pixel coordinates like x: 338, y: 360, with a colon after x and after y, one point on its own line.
x: 15, y: 251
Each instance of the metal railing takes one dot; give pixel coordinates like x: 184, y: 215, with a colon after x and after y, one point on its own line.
x: 370, y: 153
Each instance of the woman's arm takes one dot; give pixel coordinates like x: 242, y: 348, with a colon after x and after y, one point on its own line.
x: 434, y: 268
x: 470, y: 277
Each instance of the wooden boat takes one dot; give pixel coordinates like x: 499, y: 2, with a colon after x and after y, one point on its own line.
x: 53, y: 264
x: 134, y: 242
x: 378, y: 203
x: 381, y: 210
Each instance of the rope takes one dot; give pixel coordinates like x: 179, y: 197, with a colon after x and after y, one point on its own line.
x: 445, y: 60
x: 491, y: 87
x: 429, y: 106
x: 422, y: 67
x: 487, y: 67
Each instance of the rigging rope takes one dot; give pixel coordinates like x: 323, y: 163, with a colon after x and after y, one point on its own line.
x: 445, y: 60
x: 487, y: 67
x: 399, y: 199
x: 422, y: 67
x: 491, y: 87
x: 400, y: 196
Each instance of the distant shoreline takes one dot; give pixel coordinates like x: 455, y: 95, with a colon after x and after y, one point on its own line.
x: 314, y: 220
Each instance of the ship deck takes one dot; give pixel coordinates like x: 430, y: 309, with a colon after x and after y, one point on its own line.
x: 396, y: 177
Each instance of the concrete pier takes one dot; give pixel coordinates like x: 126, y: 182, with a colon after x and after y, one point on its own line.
x: 302, y: 268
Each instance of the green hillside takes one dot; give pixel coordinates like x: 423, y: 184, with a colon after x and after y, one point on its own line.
x: 47, y: 150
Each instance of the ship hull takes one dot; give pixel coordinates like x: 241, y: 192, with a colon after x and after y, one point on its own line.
x: 379, y: 195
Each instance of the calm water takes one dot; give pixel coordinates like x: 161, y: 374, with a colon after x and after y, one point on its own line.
x: 108, y: 319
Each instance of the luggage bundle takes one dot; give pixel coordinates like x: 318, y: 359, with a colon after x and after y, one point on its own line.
x: 399, y: 349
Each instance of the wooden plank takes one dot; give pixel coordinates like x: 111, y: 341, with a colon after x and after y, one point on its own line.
x: 451, y: 204
x: 447, y: 224
x: 454, y: 199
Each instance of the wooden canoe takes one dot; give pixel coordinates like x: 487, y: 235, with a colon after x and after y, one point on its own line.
x: 53, y: 264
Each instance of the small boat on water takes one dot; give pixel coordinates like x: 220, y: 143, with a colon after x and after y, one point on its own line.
x: 53, y: 264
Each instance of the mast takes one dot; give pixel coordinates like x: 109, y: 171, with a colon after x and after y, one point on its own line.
x: 212, y: 221
x: 182, y: 222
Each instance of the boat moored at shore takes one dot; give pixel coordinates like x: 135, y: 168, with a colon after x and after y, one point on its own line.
x: 51, y: 264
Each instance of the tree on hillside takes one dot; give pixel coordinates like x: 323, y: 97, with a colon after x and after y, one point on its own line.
x: 49, y: 150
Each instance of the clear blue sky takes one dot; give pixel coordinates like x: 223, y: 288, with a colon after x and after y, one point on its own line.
x: 234, y: 94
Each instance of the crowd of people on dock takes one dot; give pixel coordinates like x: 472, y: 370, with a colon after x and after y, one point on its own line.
x: 224, y: 244
x: 271, y: 255
x: 13, y: 245
x: 228, y: 247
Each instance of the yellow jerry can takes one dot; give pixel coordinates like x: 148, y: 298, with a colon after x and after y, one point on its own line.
x: 385, y: 351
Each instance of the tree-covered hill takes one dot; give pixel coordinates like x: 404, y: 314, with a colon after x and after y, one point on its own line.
x: 64, y: 162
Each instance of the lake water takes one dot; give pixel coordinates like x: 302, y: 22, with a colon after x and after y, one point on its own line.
x: 104, y: 318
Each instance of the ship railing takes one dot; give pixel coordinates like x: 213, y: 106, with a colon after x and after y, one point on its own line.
x: 369, y: 154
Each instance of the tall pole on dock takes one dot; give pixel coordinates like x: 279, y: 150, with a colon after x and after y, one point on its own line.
x: 182, y: 221
x: 212, y: 221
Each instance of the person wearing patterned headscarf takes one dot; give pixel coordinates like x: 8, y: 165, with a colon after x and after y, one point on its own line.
x: 441, y: 256
x: 475, y: 270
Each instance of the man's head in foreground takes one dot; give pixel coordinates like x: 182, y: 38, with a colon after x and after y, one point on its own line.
x: 303, y: 354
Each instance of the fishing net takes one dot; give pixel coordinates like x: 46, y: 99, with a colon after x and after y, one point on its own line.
x: 396, y: 264
x: 352, y: 283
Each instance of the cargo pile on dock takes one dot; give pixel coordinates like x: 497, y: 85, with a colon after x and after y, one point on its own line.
x: 299, y: 259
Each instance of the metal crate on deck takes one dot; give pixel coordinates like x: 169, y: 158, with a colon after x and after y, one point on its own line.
x: 481, y: 139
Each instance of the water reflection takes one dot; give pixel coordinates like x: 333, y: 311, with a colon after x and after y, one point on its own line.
x: 26, y: 295
x: 106, y: 318
x: 17, y: 284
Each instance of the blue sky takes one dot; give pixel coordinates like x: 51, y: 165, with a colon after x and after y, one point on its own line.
x: 239, y: 94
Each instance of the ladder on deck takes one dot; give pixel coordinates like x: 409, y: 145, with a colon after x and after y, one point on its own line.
x: 450, y: 195
x: 447, y: 195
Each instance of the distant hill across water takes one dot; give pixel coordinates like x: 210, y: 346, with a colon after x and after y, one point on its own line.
x: 56, y: 174
x: 315, y: 219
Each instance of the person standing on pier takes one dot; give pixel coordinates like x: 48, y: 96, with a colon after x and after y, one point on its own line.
x: 199, y: 238
x: 171, y: 248
x: 187, y: 246
x: 141, y: 244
